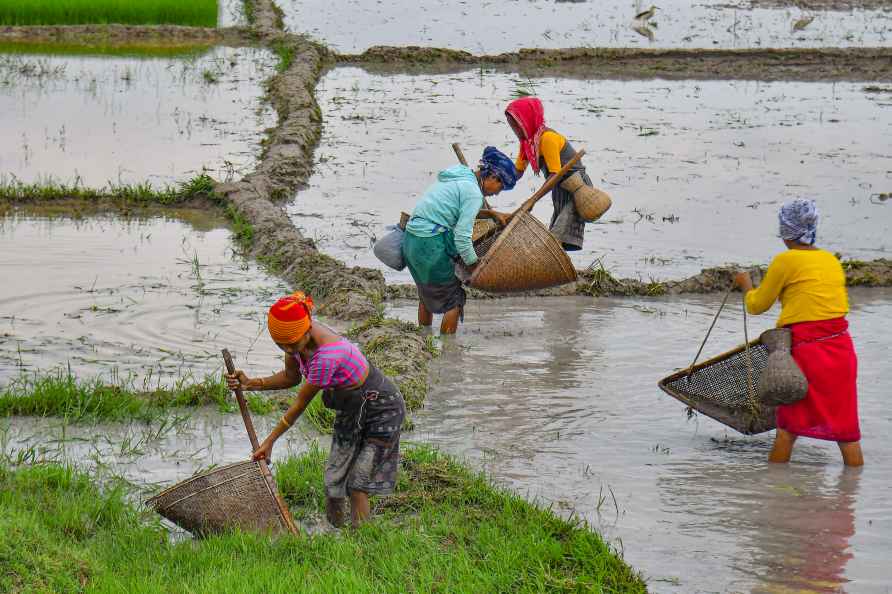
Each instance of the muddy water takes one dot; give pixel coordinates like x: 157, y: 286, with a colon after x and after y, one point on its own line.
x: 558, y: 399
x: 502, y: 26
x: 231, y: 13
x: 149, y: 456
x: 154, y: 298
x: 123, y: 116
x: 697, y: 169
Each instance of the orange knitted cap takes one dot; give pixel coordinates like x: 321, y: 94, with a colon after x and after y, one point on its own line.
x: 289, y: 318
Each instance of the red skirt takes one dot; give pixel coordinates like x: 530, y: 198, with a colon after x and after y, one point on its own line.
x: 826, y: 355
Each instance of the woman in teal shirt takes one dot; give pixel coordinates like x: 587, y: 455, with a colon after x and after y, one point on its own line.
x: 439, y: 233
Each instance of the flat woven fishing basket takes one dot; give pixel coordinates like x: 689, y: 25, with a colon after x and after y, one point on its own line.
x: 233, y: 496
x: 719, y: 388
x: 523, y: 256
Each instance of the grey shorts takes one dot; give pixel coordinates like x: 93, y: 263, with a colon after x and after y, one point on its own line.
x: 365, y: 448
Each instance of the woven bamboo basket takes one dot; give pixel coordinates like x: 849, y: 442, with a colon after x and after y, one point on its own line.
x: 482, y: 228
x: 234, y: 496
x: 721, y: 389
x: 524, y: 256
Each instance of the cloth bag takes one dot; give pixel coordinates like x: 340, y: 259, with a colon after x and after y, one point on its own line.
x: 389, y: 249
x: 782, y: 382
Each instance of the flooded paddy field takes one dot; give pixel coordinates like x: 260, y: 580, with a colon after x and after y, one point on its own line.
x: 149, y: 456
x: 352, y: 26
x: 557, y: 398
x: 132, y: 120
x: 150, y: 298
x: 231, y: 13
x: 697, y: 169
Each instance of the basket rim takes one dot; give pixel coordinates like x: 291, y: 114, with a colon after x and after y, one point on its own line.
x: 692, y: 370
x: 196, y: 477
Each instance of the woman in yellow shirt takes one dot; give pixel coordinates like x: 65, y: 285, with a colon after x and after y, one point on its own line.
x: 811, y: 286
x: 543, y: 148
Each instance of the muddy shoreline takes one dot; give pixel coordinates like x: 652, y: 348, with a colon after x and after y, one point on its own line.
x: 600, y: 283
x: 113, y: 35
x: 793, y: 64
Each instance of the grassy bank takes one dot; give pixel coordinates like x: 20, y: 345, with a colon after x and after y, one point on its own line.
x: 199, y: 187
x: 446, y: 530
x: 60, y: 394
x: 195, y: 13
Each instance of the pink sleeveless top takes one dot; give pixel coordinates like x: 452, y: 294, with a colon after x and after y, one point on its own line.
x: 336, y: 365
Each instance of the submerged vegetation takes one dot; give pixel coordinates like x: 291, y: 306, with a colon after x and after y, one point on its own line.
x: 132, y: 48
x: 446, y: 529
x: 195, y: 13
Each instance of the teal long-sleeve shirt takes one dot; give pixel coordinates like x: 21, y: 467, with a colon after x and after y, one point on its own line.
x: 451, y: 203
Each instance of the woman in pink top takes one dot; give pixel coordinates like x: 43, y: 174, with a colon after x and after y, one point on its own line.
x: 370, y: 410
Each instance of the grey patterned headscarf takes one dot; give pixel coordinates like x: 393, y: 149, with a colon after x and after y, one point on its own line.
x: 799, y: 221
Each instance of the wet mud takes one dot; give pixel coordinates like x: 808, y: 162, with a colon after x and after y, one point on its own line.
x: 111, y: 35
x: 819, y: 64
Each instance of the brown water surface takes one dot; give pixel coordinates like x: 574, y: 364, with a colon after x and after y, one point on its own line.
x: 98, y: 121
x: 157, y: 298
x: 508, y: 25
x: 697, y: 169
x: 557, y: 398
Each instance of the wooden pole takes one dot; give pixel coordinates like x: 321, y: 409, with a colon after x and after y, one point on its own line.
x: 252, y: 435
x: 463, y: 161
x: 549, y: 184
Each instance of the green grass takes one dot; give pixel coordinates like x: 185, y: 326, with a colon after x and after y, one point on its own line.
x: 200, y: 186
x: 196, y: 13
x: 60, y: 394
x: 445, y: 530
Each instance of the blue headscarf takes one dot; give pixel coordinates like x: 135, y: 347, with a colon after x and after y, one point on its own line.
x: 495, y: 162
x: 799, y: 221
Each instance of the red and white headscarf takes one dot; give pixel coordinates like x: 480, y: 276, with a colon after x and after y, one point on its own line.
x: 530, y: 116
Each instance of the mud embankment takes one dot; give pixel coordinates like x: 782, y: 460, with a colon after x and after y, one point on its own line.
x: 814, y: 64
x: 125, y: 35
x: 350, y: 294
x: 600, y: 283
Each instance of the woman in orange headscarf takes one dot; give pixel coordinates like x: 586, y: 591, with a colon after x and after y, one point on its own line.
x: 544, y: 149
x: 370, y: 409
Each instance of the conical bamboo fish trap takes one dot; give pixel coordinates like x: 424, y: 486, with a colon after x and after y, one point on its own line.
x: 241, y: 495
x: 524, y: 256
x: 236, y: 496
x: 721, y: 388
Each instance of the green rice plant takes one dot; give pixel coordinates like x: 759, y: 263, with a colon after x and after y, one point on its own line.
x: 60, y: 394
x: 319, y: 416
x: 195, y: 13
x: 445, y: 529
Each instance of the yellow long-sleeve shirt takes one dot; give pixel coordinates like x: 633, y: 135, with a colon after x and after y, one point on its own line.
x: 811, y: 286
x: 550, y: 146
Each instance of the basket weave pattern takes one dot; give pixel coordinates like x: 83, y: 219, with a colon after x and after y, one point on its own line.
x: 233, y: 496
x: 524, y: 256
x: 719, y: 388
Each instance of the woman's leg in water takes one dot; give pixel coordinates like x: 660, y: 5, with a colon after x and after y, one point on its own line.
x: 449, y: 325
x: 425, y: 318
x: 783, y: 446
x: 851, y: 453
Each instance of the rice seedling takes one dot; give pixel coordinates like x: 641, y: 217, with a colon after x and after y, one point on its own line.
x: 446, y: 529
x: 196, y: 13
x: 60, y: 394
